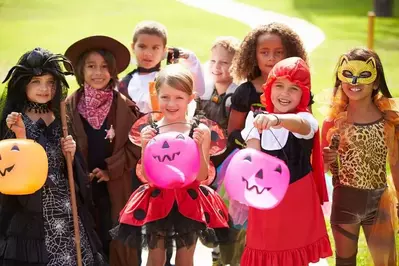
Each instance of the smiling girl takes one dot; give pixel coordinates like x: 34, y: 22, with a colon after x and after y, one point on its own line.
x: 37, y: 229
x: 366, y: 121
x: 294, y: 232
x: 181, y: 214
x: 101, y: 118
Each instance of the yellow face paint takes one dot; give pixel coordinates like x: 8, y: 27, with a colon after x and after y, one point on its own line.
x: 357, y: 71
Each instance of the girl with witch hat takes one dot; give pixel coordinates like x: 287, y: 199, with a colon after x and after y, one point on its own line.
x: 101, y: 118
x: 37, y: 229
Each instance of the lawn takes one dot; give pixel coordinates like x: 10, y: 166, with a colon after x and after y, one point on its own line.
x: 25, y: 24
x: 344, y: 23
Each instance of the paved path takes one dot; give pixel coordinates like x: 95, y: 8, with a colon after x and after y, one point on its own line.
x: 203, y: 257
x: 252, y: 16
x: 311, y: 35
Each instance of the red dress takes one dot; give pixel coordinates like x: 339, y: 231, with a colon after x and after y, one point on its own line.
x: 293, y: 233
x: 181, y: 214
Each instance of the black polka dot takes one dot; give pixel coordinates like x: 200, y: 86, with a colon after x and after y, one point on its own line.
x: 155, y: 193
x: 204, y: 190
x: 193, y: 194
x: 214, y: 136
x: 207, y: 217
x: 139, y: 214
x: 222, y: 214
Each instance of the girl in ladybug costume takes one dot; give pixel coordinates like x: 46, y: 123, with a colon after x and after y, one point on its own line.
x: 294, y: 232
x: 182, y: 214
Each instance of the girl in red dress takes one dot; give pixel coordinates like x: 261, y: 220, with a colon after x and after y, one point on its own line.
x: 182, y: 214
x: 293, y: 233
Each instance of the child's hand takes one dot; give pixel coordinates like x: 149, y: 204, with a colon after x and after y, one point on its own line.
x: 185, y: 54
x: 198, y: 136
x: 265, y: 121
x: 146, y: 135
x: 329, y: 155
x: 16, y: 124
x: 68, y: 145
x: 102, y: 175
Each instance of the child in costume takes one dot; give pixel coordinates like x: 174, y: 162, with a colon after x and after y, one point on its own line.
x: 149, y: 47
x: 261, y: 49
x: 101, y: 118
x: 215, y: 102
x: 359, y: 136
x: 38, y: 229
x: 294, y: 232
x: 182, y: 214
x: 215, y: 105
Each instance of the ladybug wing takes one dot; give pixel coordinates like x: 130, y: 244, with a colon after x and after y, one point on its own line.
x: 218, y: 137
x: 211, y: 174
x: 140, y: 172
x: 147, y: 204
x: 148, y: 119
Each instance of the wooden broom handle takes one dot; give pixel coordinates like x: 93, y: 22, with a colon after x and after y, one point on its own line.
x: 71, y: 186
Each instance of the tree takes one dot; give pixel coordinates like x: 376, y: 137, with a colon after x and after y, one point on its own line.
x: 383, y: 8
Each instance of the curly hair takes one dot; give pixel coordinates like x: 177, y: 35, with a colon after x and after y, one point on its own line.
x: 245, y: 66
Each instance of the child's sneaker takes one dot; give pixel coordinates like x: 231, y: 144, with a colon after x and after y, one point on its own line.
x: 216, y: 257
x: 216, y: 263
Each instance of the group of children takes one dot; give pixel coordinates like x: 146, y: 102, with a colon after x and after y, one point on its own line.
x: 259, y: 94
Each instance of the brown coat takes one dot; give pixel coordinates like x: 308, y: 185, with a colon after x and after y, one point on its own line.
x: 122, y: 115
x: 124, y: 156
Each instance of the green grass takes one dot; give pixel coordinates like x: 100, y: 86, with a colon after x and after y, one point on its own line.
x: 55, y: 25
x: 344, y: 23
x: 25, y: 24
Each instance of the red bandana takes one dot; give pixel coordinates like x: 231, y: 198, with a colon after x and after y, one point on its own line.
x: 94, y: 105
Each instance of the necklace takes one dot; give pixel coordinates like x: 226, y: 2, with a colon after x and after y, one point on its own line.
x: 40, y: 108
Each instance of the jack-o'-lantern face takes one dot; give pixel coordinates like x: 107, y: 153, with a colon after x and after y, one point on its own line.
x: 171, y: 160
x: 256, y: 179
x: 23, y: 166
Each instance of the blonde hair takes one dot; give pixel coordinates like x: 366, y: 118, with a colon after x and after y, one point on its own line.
x: 230, y: 43
x: 151, y: 28
x: 177, y: 77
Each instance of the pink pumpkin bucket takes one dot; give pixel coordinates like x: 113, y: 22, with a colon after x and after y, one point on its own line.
x: 256, y: 179
x: 171, y: 160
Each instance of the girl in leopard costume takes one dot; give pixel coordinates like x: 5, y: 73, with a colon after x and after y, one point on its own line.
x: 360, y: 133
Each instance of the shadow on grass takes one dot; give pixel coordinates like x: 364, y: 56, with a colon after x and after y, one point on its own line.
x: 338, y: 7
x: 388, y: 45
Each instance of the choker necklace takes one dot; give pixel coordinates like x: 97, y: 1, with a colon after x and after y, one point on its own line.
x: 40, y: 108
x: 149, y: 70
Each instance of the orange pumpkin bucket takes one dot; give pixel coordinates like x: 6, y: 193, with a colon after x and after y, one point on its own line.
x: 23, y: 166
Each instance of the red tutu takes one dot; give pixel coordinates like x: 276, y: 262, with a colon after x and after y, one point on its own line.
x: 292, y: 234
x: 196, y: 202
x: 181, y: 214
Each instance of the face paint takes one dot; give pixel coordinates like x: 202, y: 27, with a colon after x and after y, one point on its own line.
x: 357, y: 71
